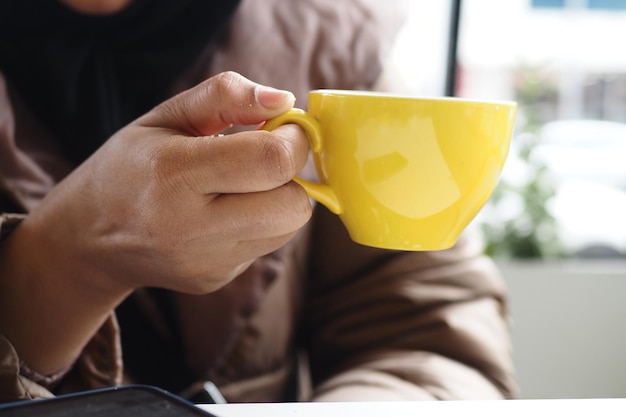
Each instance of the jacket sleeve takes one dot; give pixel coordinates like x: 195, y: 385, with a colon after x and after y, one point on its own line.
x: 405, y: 326
x: 26, y: 175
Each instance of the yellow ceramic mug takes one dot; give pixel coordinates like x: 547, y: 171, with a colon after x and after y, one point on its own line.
x: 402, y: 172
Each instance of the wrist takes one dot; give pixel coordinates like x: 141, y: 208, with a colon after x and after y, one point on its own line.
x: 51, y: 304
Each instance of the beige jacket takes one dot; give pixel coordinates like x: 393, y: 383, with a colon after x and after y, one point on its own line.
x: 356, y: 323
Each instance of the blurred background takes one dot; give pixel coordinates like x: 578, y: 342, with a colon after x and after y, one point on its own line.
x: 556, y: 223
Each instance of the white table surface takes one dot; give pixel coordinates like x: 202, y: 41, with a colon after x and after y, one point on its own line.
x: 526, y: 408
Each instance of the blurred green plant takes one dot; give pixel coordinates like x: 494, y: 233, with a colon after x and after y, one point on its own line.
x: 533, y: 234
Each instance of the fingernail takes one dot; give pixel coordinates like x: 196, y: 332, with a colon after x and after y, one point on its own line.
x: 272, y: 98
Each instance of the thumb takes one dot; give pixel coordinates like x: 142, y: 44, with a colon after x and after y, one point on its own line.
x: 220, y: 102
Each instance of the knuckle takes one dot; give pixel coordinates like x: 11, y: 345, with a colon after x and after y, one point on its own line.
x: 278, y: 158
x: 225, y: 83
x: 165, y: 164
x: 172, y: 174
x: 226, y: 88
x: 227, y: 77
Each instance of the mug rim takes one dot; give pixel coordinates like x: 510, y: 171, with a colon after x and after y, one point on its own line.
x: 371, y: 93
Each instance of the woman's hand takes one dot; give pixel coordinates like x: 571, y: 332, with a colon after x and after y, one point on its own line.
x: 166, y: 202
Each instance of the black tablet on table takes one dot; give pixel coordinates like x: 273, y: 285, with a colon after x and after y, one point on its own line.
x: 124, y: 401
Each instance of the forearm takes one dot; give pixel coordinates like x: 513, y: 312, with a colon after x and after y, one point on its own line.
x: 50, y: 302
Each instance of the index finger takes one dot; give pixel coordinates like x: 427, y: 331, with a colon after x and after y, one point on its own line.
x: 218, y: 103
x: 243, y: 162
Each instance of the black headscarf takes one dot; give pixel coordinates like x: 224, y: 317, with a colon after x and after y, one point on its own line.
x: 85, y: 76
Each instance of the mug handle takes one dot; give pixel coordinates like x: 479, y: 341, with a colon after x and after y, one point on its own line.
x: 318, y: 191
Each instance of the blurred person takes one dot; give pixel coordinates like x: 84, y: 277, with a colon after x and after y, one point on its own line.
x: 150, y: 233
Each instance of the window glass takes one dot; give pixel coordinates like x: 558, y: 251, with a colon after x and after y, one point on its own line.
x: 418, y: 63
x: 607, y: 4
x: 548, y: 3
x: 563, y: 190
